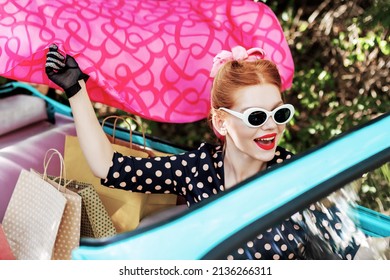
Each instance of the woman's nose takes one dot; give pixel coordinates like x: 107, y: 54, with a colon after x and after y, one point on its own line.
x: 269, y: 124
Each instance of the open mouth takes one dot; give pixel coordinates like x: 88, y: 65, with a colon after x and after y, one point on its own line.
x: 266, y: 142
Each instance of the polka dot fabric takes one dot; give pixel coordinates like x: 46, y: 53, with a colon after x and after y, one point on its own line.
x: 333, y: 228
x: 181, y: 174
x: 199, y: 174
x: 285, y: 241
x: 293, y: 239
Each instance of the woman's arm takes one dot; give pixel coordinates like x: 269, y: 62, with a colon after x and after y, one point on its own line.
x: 65, y: 72
x: 95, y: 145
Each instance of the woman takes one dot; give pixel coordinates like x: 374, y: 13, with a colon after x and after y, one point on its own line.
x: 249, y: 116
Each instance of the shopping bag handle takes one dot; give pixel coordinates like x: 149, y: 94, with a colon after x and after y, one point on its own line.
x: 129, y: 125
x: 50, y: 153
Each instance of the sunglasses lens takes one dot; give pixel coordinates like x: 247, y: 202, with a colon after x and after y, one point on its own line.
x: 257, y: 118
x: 282, y: 115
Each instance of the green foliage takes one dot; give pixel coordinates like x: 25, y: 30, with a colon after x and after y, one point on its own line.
x: 377, y: 14
x: 375, y: 189
x: 3, y: 80
x: 341, y: 52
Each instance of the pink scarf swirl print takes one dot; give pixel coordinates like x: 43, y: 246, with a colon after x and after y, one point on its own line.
x: 150, y: 58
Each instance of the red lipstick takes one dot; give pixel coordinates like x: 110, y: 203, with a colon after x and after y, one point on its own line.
x: 266, y: 142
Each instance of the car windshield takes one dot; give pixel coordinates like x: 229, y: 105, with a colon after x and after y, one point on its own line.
x: 348, y: 218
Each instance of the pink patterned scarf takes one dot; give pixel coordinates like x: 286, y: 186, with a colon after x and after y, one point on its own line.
x: 151, y: 58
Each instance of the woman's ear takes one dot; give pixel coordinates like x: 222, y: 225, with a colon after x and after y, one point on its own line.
x: 219, y: 124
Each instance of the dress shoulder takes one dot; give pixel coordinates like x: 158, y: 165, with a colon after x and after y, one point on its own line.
x: 281, y: 154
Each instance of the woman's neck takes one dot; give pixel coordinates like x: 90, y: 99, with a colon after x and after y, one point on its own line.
x: 239, y: 166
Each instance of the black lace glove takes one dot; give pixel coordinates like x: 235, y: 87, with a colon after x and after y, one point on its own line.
x: 64, y: 71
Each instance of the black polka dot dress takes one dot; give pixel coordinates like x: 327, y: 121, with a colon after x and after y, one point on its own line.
x: 199, y: 174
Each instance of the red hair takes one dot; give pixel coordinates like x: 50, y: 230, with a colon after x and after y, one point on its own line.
x: 235, y: 75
